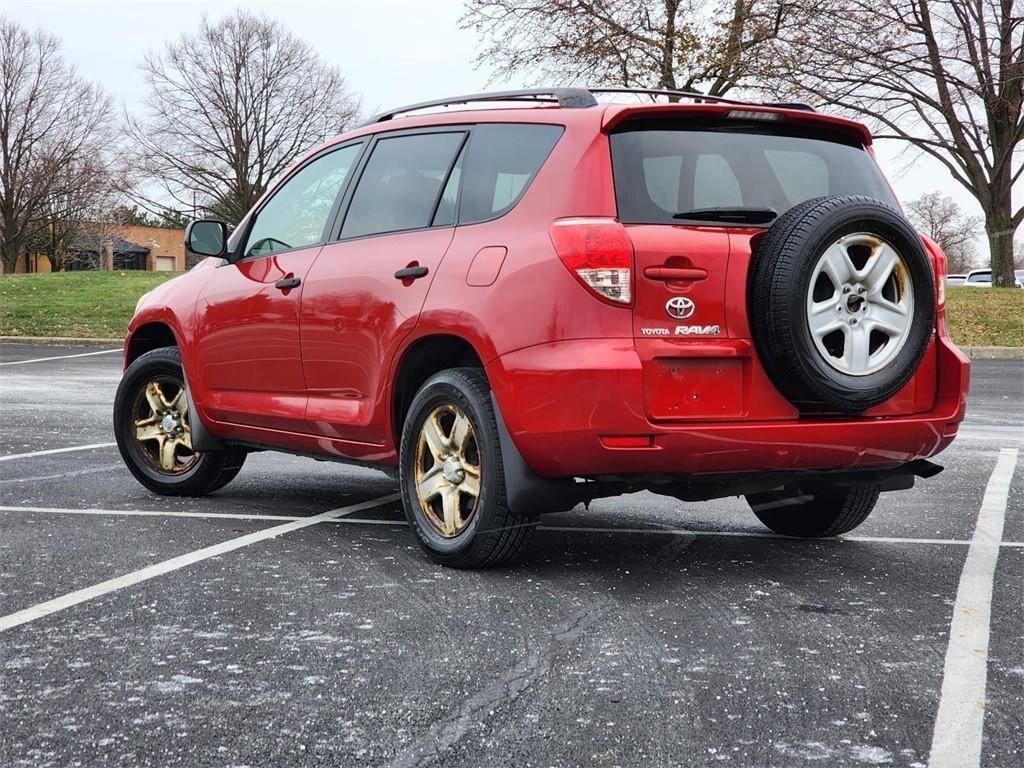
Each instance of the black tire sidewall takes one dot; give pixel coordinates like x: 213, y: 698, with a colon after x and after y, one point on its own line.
x: 444, y: 388
x: 166, y: 361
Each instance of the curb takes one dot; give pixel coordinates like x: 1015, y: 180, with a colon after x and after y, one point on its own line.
x: 61, y: 341
x: 994, y: 353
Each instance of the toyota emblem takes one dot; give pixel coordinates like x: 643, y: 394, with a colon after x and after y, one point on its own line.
x: 680, y: 307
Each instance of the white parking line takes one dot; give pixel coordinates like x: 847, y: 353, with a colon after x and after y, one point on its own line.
x: 60, y: 357
x: 152, y: 513
x: 956, y: 739
x: 558, y: 528
x: 51, y: 451
x: 112, y: 585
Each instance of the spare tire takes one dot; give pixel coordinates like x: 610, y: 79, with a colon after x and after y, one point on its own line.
x: 841, y: 300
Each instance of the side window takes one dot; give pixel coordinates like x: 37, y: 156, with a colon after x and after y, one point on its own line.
x: 401, y: 183
x: 296, y: 215
x: 501, y: 161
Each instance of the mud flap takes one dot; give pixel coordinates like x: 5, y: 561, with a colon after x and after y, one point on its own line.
x: 525, y: 491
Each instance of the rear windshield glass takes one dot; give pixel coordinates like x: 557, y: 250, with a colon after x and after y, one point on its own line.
x: 662, y: 170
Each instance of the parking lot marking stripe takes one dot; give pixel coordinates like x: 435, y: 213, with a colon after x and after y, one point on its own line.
x: 152, y: 513
x: 562, y: 528
x: 755, y: 535
x: 956, y: 739
x: 60, y: 357
x: 51, y: 451
x: 182, y: 561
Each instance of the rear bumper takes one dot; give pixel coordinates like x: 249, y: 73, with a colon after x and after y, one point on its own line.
x: 566, y: 403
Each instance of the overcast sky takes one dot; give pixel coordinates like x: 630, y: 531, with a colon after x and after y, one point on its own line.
x: 391, y: 51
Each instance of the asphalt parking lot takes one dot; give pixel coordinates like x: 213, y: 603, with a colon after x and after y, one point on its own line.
x: 250, y: 628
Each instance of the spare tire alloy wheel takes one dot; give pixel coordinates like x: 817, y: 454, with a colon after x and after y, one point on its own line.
x: 860, y: 318
x: 161, y: 429
x: 447, y: 470
x: 841, y: 299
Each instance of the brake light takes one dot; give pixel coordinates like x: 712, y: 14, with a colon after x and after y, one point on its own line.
x: 598, y: 253
x: 941, y: 267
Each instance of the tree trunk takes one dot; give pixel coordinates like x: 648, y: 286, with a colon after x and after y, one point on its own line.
x: 106, y: 255
x: 999, y: 229
x: 10, y: 250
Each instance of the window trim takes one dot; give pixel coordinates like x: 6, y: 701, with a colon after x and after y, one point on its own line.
x: 346, y: 202
x: 239, y: 256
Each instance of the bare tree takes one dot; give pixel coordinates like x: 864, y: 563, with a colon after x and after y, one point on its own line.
x: 85, y: 187
x: 940, y: 217
x: 946, y: 76
x: 714, y: 45
x: 230, y: 107
x: 51, y: 120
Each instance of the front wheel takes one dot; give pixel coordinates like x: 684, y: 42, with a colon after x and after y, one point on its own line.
x: 815, y: 512
x: 451, y: 475
x: 152, y: 425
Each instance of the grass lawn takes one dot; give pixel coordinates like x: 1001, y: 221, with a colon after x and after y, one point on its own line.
x: 986, y: 317
x: 80, y: 304
x: 99, y: 305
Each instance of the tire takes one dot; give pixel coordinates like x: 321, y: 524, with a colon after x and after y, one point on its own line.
x: 484, y: 532
x: 818, y: 512
x: 191, y: 474
x: 831, y: 369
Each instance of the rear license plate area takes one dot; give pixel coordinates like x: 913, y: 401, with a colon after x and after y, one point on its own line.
x: 695, y: 388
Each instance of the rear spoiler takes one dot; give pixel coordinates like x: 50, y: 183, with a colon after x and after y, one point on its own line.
x: 616, y: 114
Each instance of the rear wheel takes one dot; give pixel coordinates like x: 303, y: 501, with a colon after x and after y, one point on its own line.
x: 152, y: 425
x: 820, y: 511
x: 451, y: 476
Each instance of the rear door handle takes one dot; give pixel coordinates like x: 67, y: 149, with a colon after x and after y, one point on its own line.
x: 288, y: 282
x: 675, y: 273
x: 411, y: 273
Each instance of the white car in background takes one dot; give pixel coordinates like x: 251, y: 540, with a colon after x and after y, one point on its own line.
x: 982, y: 278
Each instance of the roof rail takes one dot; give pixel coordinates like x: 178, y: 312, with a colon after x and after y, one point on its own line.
x: 567, y: 98
x: 696, y: 95
x: 790, y: 105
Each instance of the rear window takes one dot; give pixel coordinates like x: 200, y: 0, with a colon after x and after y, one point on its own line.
x: 661, y: 170
x: 501, y: 161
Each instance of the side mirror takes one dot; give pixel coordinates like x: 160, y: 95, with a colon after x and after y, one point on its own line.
x: 207, y: 237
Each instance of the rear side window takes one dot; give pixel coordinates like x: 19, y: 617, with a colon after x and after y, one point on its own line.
x: 401, y: 184
x: 663, y: 169
x: 501, y: 161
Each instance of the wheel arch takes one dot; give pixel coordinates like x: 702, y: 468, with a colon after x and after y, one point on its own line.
x: 147, y: 337
x: 420, y: 360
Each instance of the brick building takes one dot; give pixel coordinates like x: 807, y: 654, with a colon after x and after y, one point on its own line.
x: 154, y: 249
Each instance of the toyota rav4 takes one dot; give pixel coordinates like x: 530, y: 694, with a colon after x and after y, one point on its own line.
x: 545, y: 299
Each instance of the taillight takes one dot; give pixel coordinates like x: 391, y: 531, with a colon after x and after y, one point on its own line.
x: 941, y: 267
x: 599, y: 253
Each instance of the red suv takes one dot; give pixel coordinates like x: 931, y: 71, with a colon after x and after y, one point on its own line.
x: 521, y: 307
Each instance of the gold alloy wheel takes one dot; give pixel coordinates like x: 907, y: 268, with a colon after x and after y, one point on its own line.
x: 447, y: 470
x: 160, y: 421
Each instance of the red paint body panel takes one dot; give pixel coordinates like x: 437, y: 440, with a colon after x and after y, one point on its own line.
x: 583, y: 389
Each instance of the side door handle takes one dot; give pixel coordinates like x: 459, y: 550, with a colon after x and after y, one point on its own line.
x: 675, y: 273
x: 288, y: 282
x: 411, y: 273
